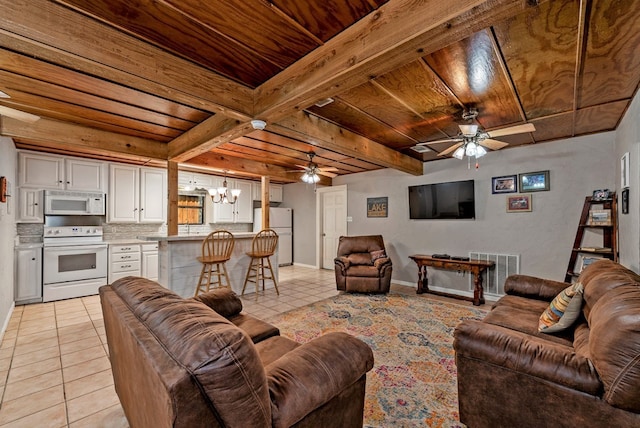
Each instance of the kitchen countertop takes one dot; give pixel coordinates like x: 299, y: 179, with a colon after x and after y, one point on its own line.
x: 125, y: 241
x: 191, y: 237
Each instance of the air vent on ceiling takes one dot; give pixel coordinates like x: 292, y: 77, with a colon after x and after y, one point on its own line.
x: 421, y: 149
x: 324, y: 102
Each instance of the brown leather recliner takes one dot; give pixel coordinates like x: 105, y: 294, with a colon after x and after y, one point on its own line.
x: 362, y: 265
x: 510, y: 374
x: 178, y: 363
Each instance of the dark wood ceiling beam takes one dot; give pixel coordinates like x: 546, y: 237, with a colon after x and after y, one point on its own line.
x: 89, y: 139
x: 398, y: 32
x: 249, y: 168
x: 61, y: 36
x: 318, y: 132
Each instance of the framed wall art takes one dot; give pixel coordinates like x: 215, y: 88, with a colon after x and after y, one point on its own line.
x: 624, y: 171
x: 518, y: 203
x: 378, y: 207
x: 504, y: 184
x: 534, y: 181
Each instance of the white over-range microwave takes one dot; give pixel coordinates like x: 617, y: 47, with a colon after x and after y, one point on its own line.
x: 60, y: 202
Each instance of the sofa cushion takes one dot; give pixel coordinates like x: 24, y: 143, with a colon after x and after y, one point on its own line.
x: 563, y: 311
x: 360, y: 259
x: 222, y: 300
x: 363, y: 271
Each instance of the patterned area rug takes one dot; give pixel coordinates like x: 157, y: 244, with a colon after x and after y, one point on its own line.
x: 413, y: 381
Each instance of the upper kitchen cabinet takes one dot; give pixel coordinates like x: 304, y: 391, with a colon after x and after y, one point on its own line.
x: 30, y: 206
x: 241, y: 211
x: 136, y: 194
x: 43, y: 171
x: 275, y: 192
x: 191, y: 181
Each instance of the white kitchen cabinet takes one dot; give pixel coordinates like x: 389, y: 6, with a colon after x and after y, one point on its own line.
x: 124, y: 260
x: 275, y: 192
x: 30, y: 206
x: 28, y: 276
x: 136, y: 194
x: 241, y: 211
x: 192, y: 180
x: 149, y: 259
x: 44, y: 171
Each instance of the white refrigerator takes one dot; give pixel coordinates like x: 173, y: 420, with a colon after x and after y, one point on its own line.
x: 280, y: 220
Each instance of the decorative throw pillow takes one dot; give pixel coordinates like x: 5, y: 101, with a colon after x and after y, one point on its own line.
x: 378, y: 254
x: 563, y: 310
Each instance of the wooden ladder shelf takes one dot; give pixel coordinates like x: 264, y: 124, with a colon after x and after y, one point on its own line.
x: 597, y: 214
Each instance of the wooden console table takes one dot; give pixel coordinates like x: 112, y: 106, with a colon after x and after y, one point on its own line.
x: 476, y: 267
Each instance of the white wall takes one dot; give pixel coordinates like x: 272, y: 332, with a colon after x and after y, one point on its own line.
x: 8, y: 158
x: 543, y: 238
x: 628, y: 140
x: 301, y: 198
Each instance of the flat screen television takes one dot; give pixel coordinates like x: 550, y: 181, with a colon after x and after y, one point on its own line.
x: 453, y: 200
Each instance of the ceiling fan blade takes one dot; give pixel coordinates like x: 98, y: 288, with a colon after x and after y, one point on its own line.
x: 448, y: 140
x: 326, y: 174
x: 18, y: 114
x: 493, y: 144
x: 518, y: 129
x: 449, y: 149
x: 328, y: 168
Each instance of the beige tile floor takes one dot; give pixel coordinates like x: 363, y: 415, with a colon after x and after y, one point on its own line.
x: 54, y: 368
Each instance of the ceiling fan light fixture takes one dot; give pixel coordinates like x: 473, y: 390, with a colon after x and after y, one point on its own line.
x: 459, y: 153
x: 468, y: 130
x: 471, y: 149
x: 480, y: 151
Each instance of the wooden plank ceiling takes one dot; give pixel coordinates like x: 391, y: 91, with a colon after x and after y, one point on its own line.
x: 153, y: 81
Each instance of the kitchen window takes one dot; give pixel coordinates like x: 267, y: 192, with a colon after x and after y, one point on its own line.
x: 191, y: 209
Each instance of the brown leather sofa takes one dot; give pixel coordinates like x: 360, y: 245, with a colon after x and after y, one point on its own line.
x: 178, y: 363
x: 511, y: 375
x: 362, y: 265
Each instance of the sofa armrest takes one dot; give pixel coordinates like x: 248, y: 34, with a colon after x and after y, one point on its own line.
x: 382, y: 262
x: 342, y: 262
x: 312, y: 374
x: 222, y: 300
x: 527, y: 354
x: 533, y: 288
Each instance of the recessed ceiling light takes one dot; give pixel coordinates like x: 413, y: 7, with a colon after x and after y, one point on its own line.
x: 4, y: 95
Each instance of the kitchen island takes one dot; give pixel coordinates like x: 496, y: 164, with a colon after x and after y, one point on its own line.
x: 179, y: 268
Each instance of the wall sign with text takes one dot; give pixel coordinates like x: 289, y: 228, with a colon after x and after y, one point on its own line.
x: 378, y: 207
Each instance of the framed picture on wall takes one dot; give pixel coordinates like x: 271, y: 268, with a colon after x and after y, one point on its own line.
x: 534, y: 181
x: 504, y: 184
x: 624, y: 171
x: 518, y: 203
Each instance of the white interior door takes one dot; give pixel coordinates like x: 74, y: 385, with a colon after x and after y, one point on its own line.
x: 333, y: 224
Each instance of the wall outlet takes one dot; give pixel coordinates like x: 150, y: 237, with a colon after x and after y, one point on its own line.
x: 349, y: 219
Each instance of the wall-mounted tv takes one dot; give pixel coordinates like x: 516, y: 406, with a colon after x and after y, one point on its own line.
x: 453, y: 200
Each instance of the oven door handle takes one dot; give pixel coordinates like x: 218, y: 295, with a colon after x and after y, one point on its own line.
x: 77, y: 248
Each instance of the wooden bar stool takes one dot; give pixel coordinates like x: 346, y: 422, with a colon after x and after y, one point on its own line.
x: 216, y: 251
x: 262, y: 247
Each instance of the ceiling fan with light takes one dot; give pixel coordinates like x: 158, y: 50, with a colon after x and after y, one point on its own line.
x: 472, y: 140
x: 312, y: 170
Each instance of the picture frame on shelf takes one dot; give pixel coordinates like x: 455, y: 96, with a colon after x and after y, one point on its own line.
x: 518, y: 203
x: 624, y: 171
x: 600, y: 195
x: 534, y: 181
x: 504, y: 184
x: 600, y: 218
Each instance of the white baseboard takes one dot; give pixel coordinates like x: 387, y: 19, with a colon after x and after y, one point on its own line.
x: 5, y: 324
x: 306, y: 266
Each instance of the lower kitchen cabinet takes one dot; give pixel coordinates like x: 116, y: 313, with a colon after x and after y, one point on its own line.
x: 28, y: 278
x: 133, y: 260
x: 124, y: 260
x: 150, y: 261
